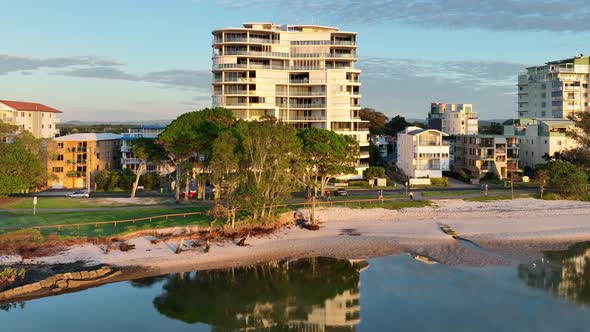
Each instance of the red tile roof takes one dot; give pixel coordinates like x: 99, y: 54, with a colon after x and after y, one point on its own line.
x: 25, y: 106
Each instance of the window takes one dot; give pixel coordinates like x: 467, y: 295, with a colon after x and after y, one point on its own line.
x: 30, y: 114
x: 97, y: 155
x: 58, y: 169
x: 559, y: 143
x: 22, y: 114
x: 42, y: 126
x: 60, y: 157
x: 545, y: 141
x: 60, y: 145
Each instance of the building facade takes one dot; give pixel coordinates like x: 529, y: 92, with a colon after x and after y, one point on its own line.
x: 301, y: 74
x: 38, y: 119
x: 554, y: 90
x: 453, y: 119
x: 422, y: 153
x: 539, y: 139
x: 478, y: 155
x: 75, y: 159
x: 130, y: 161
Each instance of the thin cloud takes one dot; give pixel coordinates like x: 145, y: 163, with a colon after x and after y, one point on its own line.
x: 497, y: 15
x: 199, y: 79
x: 13, y: 63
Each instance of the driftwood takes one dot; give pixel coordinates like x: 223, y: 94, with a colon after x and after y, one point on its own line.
x: 126, y: 247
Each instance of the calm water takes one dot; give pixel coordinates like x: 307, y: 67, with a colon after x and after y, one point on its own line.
x: 385, y: 294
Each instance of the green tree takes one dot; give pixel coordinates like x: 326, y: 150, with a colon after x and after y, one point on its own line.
x: 375, y: 172
x: 375, y: 158
x: 377, y: 120
x: 226, y: 172
x: 327, y: 154
x: 126, y: 179
x: 396, y: 124
x: 269, y: 148
x: 567, y: 179
x: 147, y: 151
x: 107, y: 179
x: 190, y: 137
x: 494, y: 128
x: 21, y: 166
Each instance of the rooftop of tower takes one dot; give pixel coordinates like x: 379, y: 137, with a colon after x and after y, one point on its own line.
x: 286, y: 27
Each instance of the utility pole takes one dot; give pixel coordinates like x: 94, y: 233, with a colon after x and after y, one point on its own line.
x: 512, y: 184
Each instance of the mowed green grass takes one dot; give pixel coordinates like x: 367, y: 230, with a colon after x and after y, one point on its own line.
x: 391, y: 205
x: 496, y: 197
x: 10, y: 221
x: 57, y: 203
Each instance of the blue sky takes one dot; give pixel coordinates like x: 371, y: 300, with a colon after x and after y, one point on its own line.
x: 151, y: 59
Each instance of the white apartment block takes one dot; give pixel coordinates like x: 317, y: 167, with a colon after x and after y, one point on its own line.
x: 539, y: 138
x: 128, y: 160
x: 453, y: 119
x: 301, y: 74
x: 422, y: 153
x: 38, y: 119
x: 554, y: 90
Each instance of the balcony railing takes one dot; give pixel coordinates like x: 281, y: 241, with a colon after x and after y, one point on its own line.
x: 246, y: 40
x: 74, y: 174
x: 307, y: 106
x: 304, y: 118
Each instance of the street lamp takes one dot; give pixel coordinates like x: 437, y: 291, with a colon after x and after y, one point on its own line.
x: 406, y: 185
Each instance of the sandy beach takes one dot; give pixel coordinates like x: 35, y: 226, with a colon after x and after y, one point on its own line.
x: 503, y: 232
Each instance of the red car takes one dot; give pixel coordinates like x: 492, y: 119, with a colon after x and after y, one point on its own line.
x: 191, y: 194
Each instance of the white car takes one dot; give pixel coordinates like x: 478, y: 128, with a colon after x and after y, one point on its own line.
x: 79, y: 194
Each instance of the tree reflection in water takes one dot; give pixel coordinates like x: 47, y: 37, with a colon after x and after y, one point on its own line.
x: 317, y: 294
x: 565, y: 273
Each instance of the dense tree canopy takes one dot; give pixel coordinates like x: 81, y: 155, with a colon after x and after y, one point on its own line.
x: 22, y: 165
x: 566, y: 179
x: 377, y: 120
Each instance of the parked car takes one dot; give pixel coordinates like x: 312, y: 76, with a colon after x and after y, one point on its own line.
x: 79, y: 194
x: 340, y: 192
x: 191, y: 194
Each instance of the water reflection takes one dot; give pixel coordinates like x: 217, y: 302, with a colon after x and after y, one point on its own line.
x: 564, y: 273
x: 317, y: 294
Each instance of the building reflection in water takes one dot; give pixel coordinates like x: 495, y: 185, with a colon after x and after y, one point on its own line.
x: 316, y: 295
x: 565, y: 273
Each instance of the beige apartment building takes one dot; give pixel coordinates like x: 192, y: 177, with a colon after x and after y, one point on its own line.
x: 540, y: 138
x: 301, y: 74
x: 555, y: 89
x: 38, y: 119
x: 453, y: 119
x: 77, y: 158
x: 479, y: 155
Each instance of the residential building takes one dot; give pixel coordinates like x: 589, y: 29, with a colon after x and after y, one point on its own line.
x: 301, y: 74
x: 478, y: 155
x: 382, y: 142
x: 540, y: 138
x: 453, y: 119
x: 128, y: 160
x: 75, y: 159
x: 422, y: 153
x: 38, y: 119
x: 554, y: 90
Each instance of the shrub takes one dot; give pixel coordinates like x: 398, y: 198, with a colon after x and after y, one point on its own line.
x: 440, y: 182
x: 358, y: 183
x: 375, y: 172
x: 567, y: 179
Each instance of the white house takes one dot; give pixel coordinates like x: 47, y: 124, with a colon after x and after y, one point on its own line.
x: 422, y: 153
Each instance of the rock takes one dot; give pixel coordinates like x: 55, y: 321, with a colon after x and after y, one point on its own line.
x: 62, y: 284
x: 92, y: 274
x: 76, y: 275
x: 47, y: 283
x: 84, y: 275
x: 68, y: 276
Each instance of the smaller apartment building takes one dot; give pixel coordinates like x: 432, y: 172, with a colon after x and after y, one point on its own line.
x: 479, y: 155
x: 75, y: 159
x: 38, y: 119
x: 453, y: 119
x: 422, y: 153
x: 540, y: 138
x: 128, y: 159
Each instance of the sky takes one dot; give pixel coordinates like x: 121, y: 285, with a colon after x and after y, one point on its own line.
x: 139, y: 60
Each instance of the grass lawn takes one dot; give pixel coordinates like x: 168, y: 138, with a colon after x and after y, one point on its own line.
x: 77, y: 203
x: 372, y: 196
x: 449, y: 193
x: 391, y: 205
x: 11, y: 221
x: 495, y: 197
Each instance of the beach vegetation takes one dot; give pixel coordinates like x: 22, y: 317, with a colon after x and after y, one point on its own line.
x: 566, y: 179
x: 22, y: 164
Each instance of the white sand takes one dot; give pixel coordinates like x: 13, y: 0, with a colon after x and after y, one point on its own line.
x: 515, y: 229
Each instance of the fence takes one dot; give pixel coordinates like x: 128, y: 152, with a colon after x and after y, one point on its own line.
x: 307, y: 204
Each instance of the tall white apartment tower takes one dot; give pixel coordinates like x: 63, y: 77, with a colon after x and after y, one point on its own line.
x: 301, y: 74
x: 555, y: 89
